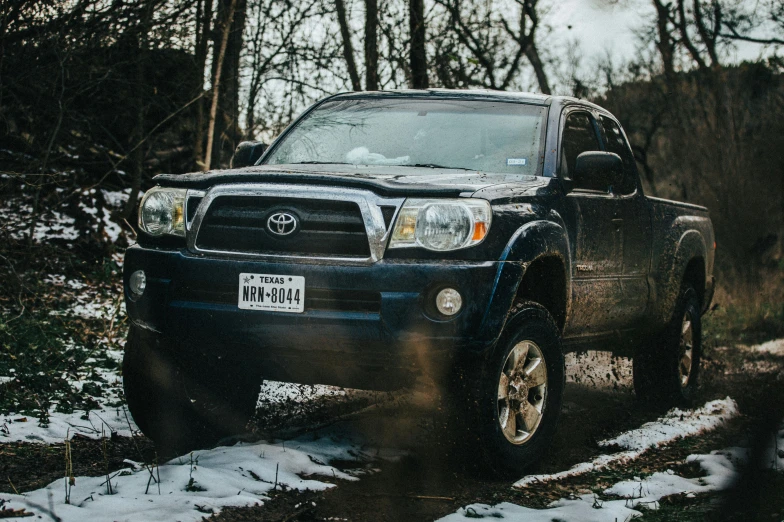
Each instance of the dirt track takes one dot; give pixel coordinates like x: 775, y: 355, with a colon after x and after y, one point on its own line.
x: 427, y: 483
x: 413, y: 477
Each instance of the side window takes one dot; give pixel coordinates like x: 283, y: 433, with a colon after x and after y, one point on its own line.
x: 579, y: 136
x: 617, y: 144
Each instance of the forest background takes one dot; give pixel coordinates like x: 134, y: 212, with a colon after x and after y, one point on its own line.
x: 98, y: 96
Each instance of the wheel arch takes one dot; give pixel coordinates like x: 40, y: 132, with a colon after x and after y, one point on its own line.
x: 688, y: 265
x: 544, y: 282
x: 536, y: 256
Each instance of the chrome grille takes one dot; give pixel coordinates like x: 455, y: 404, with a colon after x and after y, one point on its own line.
x: 333, y: 223
x: 239, y: 224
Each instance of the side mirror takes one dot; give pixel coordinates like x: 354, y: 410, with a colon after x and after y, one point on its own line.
x: 247, y: 153
x: 597, y: 170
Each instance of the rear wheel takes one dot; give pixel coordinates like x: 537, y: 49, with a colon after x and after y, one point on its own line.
x: 512, y: 406
x: 666, y: 370
x: 178, y: 412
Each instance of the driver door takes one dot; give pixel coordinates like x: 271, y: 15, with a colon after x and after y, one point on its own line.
x: 596, y: 235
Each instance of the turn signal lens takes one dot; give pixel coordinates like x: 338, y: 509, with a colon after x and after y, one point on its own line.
x: 405, y: 229
x: 480, y: 231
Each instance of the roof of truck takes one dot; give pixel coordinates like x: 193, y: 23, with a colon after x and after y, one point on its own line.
x: 526, y: 97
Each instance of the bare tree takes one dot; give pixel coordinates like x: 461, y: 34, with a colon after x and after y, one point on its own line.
x: 394, y: 63
x: 371, y: 45
x: 203, y: 28
x: 146, y: 10
x: 216, y: 81
x: 417, y: 51
x: 279, y: 40
x: 665, y: 42
x: 348, y: 48
x: 483, y: 44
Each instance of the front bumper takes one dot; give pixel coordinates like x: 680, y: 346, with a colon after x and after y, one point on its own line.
x: 371, y: 327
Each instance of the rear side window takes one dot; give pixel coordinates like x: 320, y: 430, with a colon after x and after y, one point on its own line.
x: 579, y: 136
x: 617, y: 144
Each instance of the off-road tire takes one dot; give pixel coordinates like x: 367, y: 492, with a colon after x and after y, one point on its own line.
x: 475, y: 396
x: 176, y: 411
x: 657, y: 377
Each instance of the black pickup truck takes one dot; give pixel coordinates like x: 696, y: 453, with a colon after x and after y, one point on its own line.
x: 466, y: 237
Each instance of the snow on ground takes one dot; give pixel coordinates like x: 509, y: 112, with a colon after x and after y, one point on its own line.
x: 15, y: 214
x: 721, y: 470
x: 767, y: 358
x: 86, y: 301
x: 194, y: 485
x: 774, y: 453
x: 241, y: 475
x: 63, y: 426
x: 775, y: 347
x: 566, y: 510
x: 676, y: 423
x: 50, y: 225
x: 59, y: 426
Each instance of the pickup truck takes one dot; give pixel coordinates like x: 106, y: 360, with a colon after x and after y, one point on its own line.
x: 470, y: 238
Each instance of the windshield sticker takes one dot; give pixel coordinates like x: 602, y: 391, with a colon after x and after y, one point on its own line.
x: 515, y: 161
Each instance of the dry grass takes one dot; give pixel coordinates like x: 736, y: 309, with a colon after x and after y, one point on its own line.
x: 746, y: 309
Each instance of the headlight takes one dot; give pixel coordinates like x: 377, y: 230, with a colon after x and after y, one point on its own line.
x: 441, y: 224
x: 163, y: 212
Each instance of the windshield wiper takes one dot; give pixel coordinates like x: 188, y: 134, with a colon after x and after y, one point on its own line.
x: 320, y: 163
x: 434, y: 166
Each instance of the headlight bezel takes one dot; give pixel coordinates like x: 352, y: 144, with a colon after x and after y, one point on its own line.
x: 171, y: 210
x: 409, y: 225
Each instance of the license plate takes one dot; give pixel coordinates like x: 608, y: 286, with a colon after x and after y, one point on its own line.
x: 277, y: 293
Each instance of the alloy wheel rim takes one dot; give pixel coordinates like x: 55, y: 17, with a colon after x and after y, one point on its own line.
x: 522, y: 390
x: 686, y: 350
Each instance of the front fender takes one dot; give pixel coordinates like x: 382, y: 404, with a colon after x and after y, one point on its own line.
x: 530, y: 242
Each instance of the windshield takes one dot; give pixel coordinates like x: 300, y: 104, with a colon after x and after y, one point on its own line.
x: 485, y: 136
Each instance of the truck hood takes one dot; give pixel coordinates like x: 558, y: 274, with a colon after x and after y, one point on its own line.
x: 384, y: 180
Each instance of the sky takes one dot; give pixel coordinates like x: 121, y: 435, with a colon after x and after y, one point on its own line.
x: 601, y: 25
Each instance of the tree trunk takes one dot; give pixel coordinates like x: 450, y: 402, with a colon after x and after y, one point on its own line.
x: 664, y: 42
x: 228, y: 133
x: 137, y: 159
x: 348, y: 49
x: 216, y: 81
x: 202, y: 39
x: 418, y: 55
x: 371, y: 45
x: 536, y: 62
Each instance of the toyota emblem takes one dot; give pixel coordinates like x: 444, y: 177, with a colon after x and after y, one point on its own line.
x: 282, y: 224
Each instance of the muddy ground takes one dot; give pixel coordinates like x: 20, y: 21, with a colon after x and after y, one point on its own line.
x: 429, y: 483
x: 425, y: 481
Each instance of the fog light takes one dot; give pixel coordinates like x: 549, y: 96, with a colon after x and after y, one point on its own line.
x: 449, y: 301
x: 138, y: 283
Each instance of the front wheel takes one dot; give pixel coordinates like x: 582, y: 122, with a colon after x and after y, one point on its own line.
x: 517, y: 399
